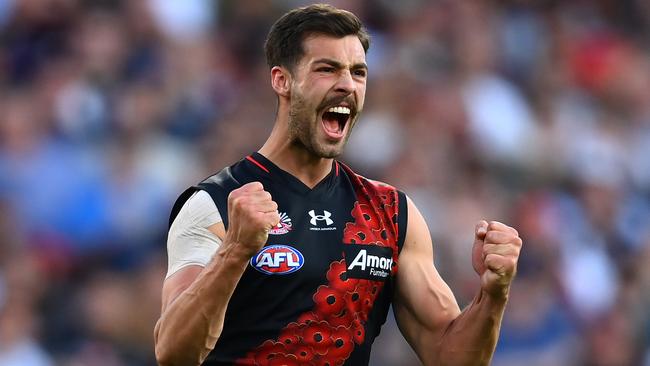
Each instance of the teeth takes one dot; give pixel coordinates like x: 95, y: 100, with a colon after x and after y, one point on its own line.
x: 339, y: 109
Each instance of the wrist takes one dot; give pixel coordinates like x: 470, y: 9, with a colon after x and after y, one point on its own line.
x: 496, y: 295
x: 237, y: 251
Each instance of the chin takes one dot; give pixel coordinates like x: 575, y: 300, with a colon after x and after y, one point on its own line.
x: 331, y: 155
x: 328, y: 152
x: 333, y: 150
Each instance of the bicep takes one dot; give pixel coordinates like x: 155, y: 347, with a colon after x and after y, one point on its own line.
x: 424, y: 304
x: 177, y: 283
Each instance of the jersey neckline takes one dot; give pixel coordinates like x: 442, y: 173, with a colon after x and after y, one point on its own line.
x: 266, y: 167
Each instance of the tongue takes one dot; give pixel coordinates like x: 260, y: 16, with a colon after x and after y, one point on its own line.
x: 331, y: 125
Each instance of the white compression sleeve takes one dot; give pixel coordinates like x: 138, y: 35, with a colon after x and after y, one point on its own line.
x: 189, y: 241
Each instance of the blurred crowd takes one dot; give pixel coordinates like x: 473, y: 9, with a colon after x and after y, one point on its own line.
x: 535, y: 113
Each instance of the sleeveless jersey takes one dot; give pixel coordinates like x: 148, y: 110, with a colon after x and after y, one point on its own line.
x: 318, y: 292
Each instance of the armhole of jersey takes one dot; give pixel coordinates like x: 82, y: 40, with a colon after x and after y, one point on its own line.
x: 189, y: 240
x: 402, y: 219
x: 180, y: 202
x: 220, y: 200
x: 216, y: 185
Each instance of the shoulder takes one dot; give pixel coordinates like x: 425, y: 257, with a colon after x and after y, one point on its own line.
x: 369, y: 183
x: 201, y: 209
x: 226, y: 178
x: 198, y: 212
x: 216, y: 186
x: 192, y: 238
x: 384, y: 195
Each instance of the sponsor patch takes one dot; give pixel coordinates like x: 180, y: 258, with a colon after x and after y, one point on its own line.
x: 278, y: 260
x: 370, y: 262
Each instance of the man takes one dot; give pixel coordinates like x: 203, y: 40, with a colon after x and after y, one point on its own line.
x: 290, y: 258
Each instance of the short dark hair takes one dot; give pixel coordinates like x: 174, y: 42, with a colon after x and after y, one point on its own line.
x: 283, y: 46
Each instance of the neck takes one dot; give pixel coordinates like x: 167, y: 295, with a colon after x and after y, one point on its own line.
x: 294, y: 158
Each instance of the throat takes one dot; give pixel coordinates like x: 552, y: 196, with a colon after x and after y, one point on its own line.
x: 301, y: 164
x: 332, y: 123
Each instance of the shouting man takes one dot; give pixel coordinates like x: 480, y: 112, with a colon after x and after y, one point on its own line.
x: 288, y: 257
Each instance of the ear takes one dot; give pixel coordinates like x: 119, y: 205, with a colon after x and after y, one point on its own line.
x: 281, y: 81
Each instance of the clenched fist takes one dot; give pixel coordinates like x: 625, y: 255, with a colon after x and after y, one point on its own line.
x: 494, y: 256
x: 251, y: 214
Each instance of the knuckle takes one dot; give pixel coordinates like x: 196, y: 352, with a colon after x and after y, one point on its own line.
x: 243, y: 201
x: 234, y: 194
x: 252, y: 185
x: 488, y: 237
x: 515, y: 252
x: 519, y: 242
x: 235, y: 200
x: 491, y: 258
x: 491, y: 236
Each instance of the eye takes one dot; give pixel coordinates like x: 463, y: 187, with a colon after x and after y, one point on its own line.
x: 327, y: 69
x: 360, y: 72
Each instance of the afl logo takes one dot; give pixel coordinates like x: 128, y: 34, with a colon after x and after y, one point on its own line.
x: 278, y: 260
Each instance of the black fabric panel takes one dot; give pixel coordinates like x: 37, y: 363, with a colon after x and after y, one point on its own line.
x: 219, y: 187
x: 215, y: 185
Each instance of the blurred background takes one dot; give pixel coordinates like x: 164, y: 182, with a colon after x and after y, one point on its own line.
x: 536, y: 113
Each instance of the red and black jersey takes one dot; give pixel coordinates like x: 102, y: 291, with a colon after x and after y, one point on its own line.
x: 319, y: 291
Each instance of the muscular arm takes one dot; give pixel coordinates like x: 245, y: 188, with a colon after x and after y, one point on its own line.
x: 427, y: 312
x: 195, y: 299
x: 194, y: 304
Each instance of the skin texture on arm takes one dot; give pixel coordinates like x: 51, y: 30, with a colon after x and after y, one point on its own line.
x: 426, y: 310
x: 195, y: 299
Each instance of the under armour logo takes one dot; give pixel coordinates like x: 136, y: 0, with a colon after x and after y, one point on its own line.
x: 325, y: 216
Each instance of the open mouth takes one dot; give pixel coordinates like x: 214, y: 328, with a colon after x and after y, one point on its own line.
x: 334, y: 121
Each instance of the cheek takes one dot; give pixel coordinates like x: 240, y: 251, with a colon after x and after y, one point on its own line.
x: 311, y: 85
x: 360, y: 100
x: 305, y: 96
x: 361, y: 93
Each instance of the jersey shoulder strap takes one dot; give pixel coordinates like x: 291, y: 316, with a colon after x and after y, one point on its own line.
x: 218, y: 187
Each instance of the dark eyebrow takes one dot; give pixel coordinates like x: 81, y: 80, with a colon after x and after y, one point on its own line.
x: 338, y: 65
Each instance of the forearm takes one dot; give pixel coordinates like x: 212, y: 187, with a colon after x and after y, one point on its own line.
x: 190, y: 326
x: 470, y: 339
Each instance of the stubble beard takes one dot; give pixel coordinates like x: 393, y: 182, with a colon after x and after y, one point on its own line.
x: 303, y: 130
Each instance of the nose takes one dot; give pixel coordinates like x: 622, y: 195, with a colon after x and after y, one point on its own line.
x: 345, y: 83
